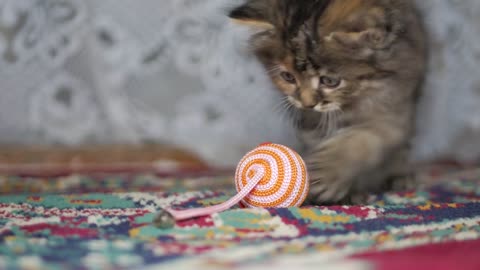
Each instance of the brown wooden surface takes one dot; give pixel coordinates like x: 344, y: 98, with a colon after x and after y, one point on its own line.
x: 104, y: 155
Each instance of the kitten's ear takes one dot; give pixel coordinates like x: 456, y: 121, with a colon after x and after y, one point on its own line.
x: 375, y: 39
x: 377, y: 31
x: 253, y: 13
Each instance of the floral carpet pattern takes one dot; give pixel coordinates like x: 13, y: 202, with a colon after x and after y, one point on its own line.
x: 105, y: 222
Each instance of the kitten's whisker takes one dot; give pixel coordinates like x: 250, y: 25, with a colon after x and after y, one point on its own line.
x: 329, y: 123
x: 274, y: 69
x: 335, y: 119
x: 282, y: 109
x: 290, y: 112
x: 296, y: 116
x: 287, y: 110
x: 325, y: 123
x: 320, y: 123
x: 286, y: 104
x: 334, y: 122
x: 281, y: 105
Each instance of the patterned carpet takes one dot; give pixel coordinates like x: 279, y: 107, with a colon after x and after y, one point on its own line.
x: 104, y: 222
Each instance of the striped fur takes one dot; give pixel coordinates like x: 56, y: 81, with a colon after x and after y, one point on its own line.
x: 352, y: 69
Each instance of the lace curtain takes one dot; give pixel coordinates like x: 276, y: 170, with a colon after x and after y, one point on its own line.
x: 178, y: 72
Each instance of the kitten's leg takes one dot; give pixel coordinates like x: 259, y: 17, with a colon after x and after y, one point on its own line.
x: 350, y: 162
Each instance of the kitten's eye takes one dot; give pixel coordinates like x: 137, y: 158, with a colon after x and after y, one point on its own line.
x: 330, y: 82
x: 288, y: 77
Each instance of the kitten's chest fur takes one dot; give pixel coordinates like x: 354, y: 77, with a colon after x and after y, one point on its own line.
x: 314, y: 127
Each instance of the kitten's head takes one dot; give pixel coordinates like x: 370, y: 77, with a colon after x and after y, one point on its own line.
x: 325, y: 55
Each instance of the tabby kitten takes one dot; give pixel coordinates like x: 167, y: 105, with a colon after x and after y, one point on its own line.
x: 352, y: 69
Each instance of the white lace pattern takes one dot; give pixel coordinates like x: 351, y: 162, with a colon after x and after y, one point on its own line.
x: 177, y: 71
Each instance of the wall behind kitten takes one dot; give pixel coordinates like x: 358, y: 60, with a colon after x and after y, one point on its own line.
x: 449, y: 113
x: 177, y: 71
x: 121, y: 71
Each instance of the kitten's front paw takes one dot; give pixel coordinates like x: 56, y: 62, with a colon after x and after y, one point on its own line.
x: 326, y: 185
x: 404, y: 183
x: 323, y: 191
x: 334, y: 192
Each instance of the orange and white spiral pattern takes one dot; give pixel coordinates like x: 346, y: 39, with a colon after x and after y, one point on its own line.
x: 284, y: 179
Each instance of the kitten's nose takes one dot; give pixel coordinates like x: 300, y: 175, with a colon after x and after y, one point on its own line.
x: 309, y: 101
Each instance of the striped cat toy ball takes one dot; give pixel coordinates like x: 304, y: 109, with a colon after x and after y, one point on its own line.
x: 270, y: 176
x: 275, y: 175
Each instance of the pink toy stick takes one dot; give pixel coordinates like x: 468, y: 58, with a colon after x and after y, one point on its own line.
x: 167, y: 217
